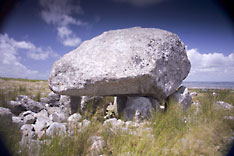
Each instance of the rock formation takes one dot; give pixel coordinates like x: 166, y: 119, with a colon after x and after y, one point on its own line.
x: 135, y: 61
x: 132, y: 64
x: 183, y: 97
x: 138, y: 107
x: 24, y: 103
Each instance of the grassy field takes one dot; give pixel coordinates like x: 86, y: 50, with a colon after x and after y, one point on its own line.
x: 10, y: 88
x: 174, y: 132
x: 205, y: 133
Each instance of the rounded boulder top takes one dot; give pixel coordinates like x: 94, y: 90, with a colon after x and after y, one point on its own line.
x: 133, y: 61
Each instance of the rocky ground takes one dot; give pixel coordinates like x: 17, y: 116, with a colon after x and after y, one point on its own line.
x: 39, y: 121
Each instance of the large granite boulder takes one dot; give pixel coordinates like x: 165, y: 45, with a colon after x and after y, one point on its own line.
x: 134, y: 61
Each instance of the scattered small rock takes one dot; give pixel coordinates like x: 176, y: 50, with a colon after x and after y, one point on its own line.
x: 113, y: 122
x: 53, y: 99
x: 56, y: 129
x: 29, y: 119
x: 16, y: 107
x: 42, y: 113
x: 24, y: 103
x: 97, y: 145
x: 42, y: 123
x: 214, y: 94
x: 229, y: 117
x: 28, y: 131
x: 85, y: 123
x: 224, y: 105
x: 76, y: 117
x: 193, y: 94
x: 18, y: 120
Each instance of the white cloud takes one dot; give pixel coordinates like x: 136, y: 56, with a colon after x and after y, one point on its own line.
x: 211, y: 66
x: 67, y: 37
x: 59, y: 13
x: 61, y: 20
x: 10, y: 65
x: 33, y: 52
x: 40, y: 54
x: 64, y: 32
x: 61, y: 7
x: 71, y: 41
x: 140, y: 3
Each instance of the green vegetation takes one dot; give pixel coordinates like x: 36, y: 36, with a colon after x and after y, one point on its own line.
x: 77, y: 144
x: 9, y: 132
x: 95, y: 109
x: 11, y: 94
x: 20, y: 79
x: 10, y: 88
x: 178, y: 133
x: 9, y: 135
x: 174, y: 132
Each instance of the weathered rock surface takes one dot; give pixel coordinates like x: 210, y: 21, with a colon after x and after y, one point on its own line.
x: 77, y: 126
x: 113, y: 122
x: 115, y: 126
x: 24, y: 103
x: 224, y: 105
x: 138, y: 107
x: 87, y: 99
x: 42, y: 113
x: 17, y: 120
x: 16, y: 107
x: 134, y: 61
x: 53, y: 99
x: 65, y: 104
x: 28, y: 131
x: 183, y: 97
x: 29, y: 119
x: 56, y: 114
x: 42, y: 123
x: 76, y: 117
x: 56, y: 129
x: 156, y: 104
x: 193, y: 94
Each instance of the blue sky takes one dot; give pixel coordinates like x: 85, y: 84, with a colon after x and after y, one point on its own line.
x: 34, y: 34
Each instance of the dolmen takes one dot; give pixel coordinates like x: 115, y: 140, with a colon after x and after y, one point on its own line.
x: 140, y: 66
